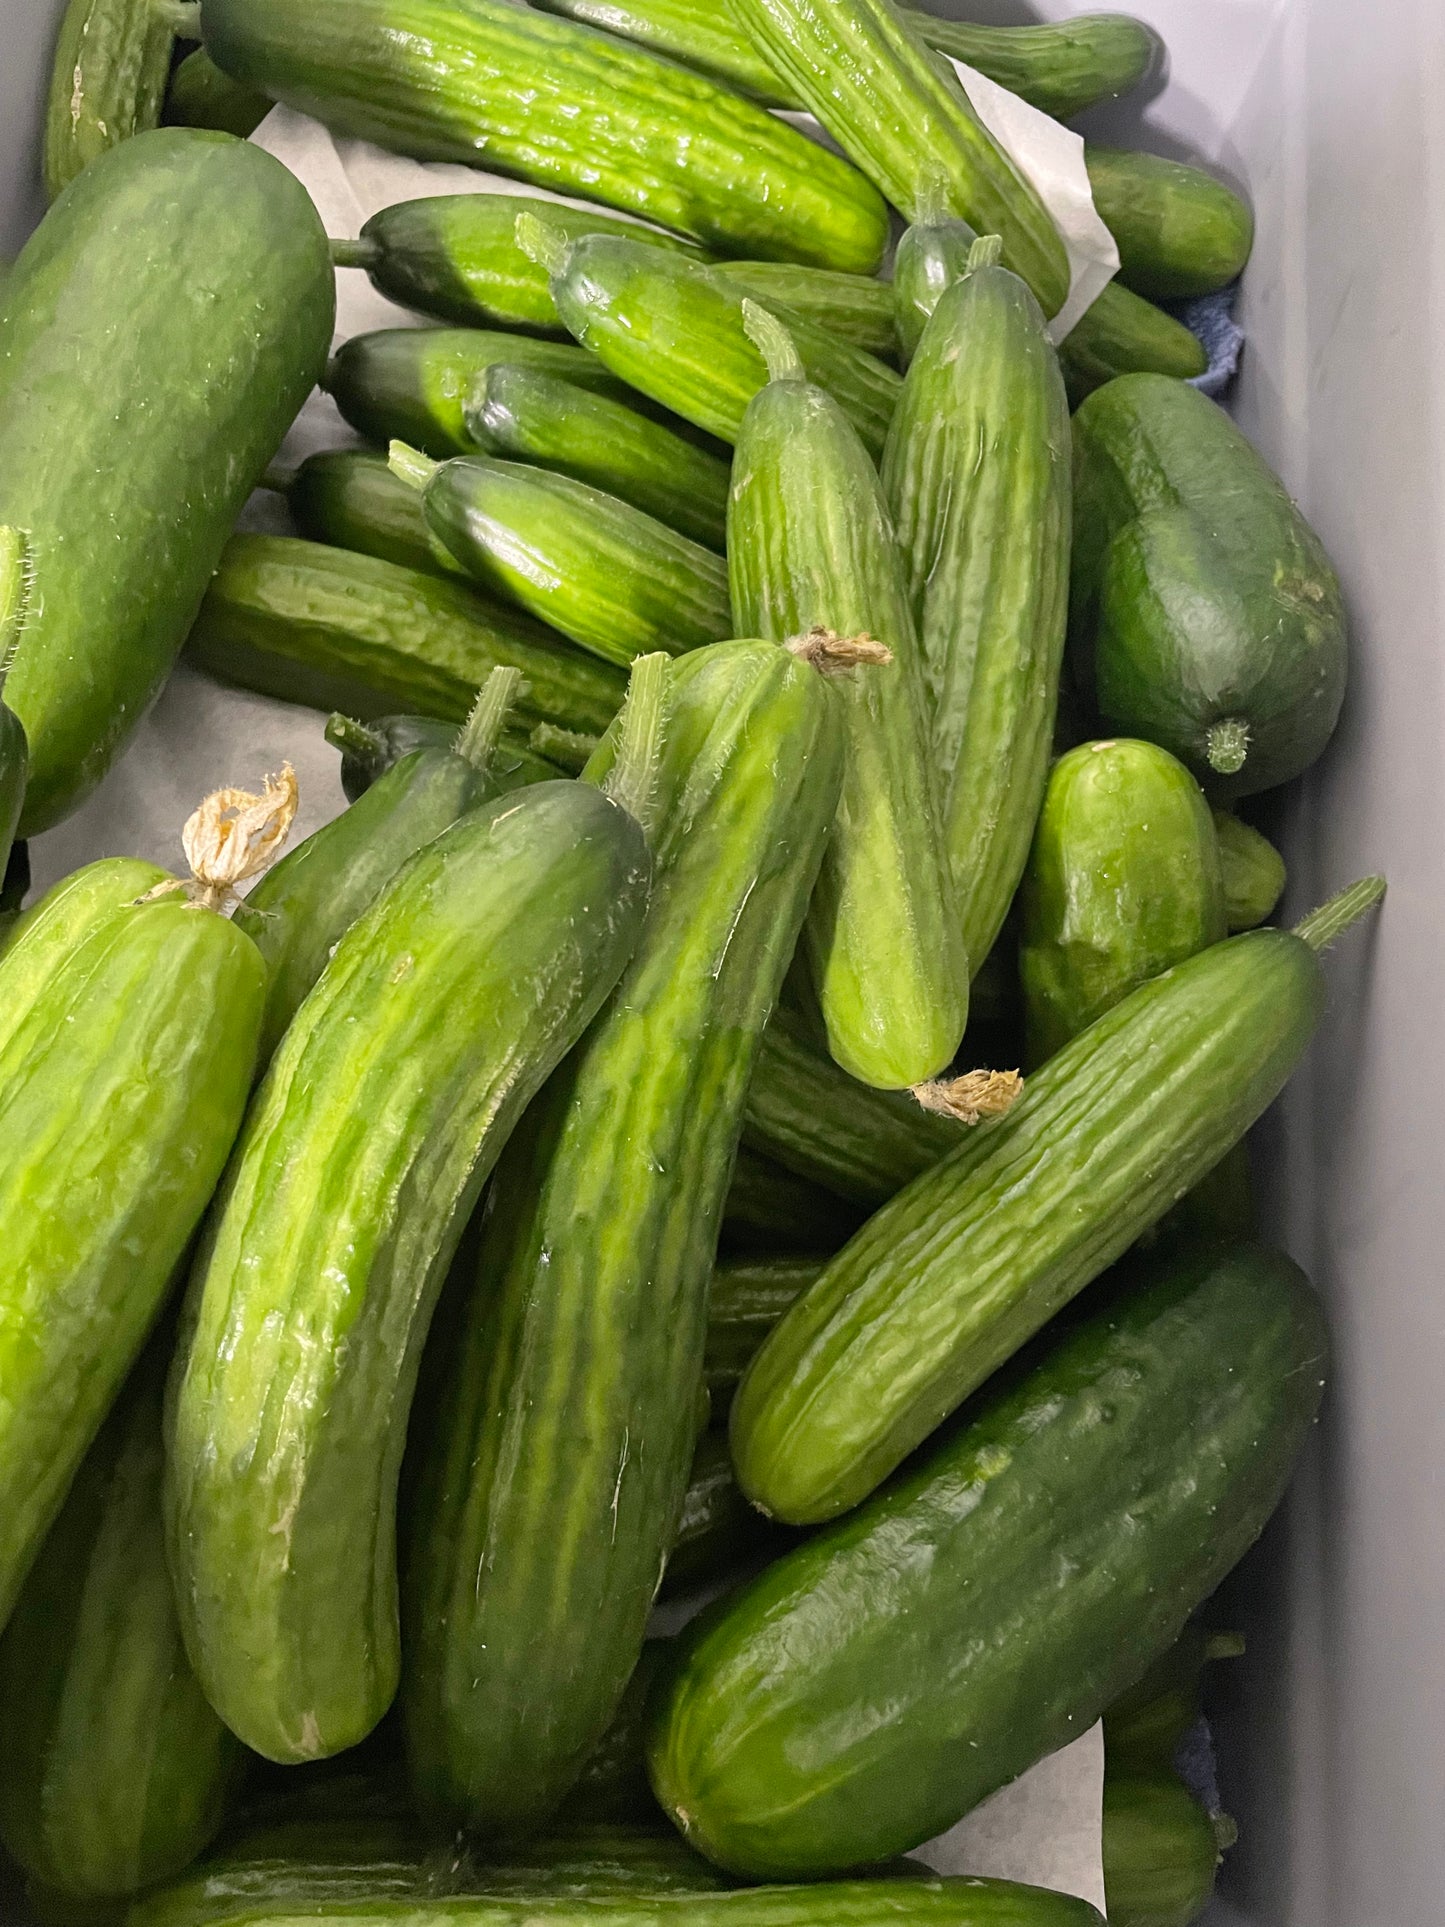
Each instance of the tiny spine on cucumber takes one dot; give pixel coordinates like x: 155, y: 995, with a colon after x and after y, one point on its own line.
x: 567, y: 748
x: 632, y: 780
x: 1324, y: 926
x: 351, y: 737
x: 17, y: 577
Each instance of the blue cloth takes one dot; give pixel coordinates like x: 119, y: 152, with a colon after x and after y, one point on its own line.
x: 1210, y: 317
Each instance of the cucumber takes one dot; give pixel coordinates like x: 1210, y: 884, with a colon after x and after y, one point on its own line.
x: 770, y: 1208
x: 107, y: 82
x: 900, y: 113
x: 442, y: 1010
x: 115, y: 1770
x: 161, y: 328
x: 617, y: 582
x: 200, y: 95
x: 456, y: 256
x: 1145, y: 1727
x: 1253, y: 871
x: 44, y: 937
x: 14, y: 750
x: 976, y: 473
x: 612, y: 1786
x: 701, y: 37
x: 1061, y: 67
x: 413, y: 384
x: 1124, y: 335
x: 673, y: 329
x: 854, y: 307
x: 348, y: 498
x: 1180, y: 231
x: 532, y: 417
x: 369, y: 750
x: 1038, y: 1555
x: 342, y: 631
x: 560, y: 105
x: 591, y: 1293
x: 1160, y: 1852
x: 748, y: 1298
x: 932, y: 255
x: 1123, y: 882
x: 810, y: 547
x: 717, y: 1530
x: 1204, y: 604
x: 950, y: 1278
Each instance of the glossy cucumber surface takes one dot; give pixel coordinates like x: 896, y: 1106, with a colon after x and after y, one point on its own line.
x: 854, y: 307
x: 107, y: 82
x: 44, y: 936
x: 1180, y: 230
x: 932, y: 254
x: 1160, y: 1852
x: 1122, y: 334
x: 348, y: 498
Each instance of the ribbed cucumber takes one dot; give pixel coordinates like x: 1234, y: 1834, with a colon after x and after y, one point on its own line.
x: 1160, y: 1852
x: 1121, y: 334
x: 1253, y: 871
x: 348, y: 498
x: 717, y: 1529
x: 948, y: 1280
x: 369, y: 750
x: 770, y: 1208
x: 115, y: 1770
x: 854, y: 307
x: 160, y: 330
x: 200, y: 95
x: 591, y: 1293
x: 533, y: 417
x: 976, y: 473
x: 1038, y: 1555
x: 674, y: 330
x: 337, y: 630
x: 613, y: 1783
x: 1180, y: 230
x: 748, y: 1298
x: 14, y: 750
x: 932, y: 255
x: 618, y: 582
x: 810, y: 547
x: 395, y: 1087
x: 561, y: 105
x: 107, y: 81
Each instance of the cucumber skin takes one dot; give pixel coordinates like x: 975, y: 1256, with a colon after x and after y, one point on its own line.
x: 930, y: 257
x: 1123, y: 882
x: 810, y: 546
x: 214, y: 338
x: 976, y: 472
x: 560, y: 105
x: 1195, y: 572
x: 365, y: 1147
x: 617, y: 582
x: 336, y: 630
x: 591, y: 1293
x: 200, y: 95
x: 854, y: 307
x: 748, y: 1297
x: 1110, y: 1486
x: 51, y: 929
x: 1122, y: 334
x: 107, y: 83
x: 1253, y: 871
x: 949, y: 1279
x: 134, y: 1059
x: 115, y: 1771
x: 1180, y: 231
x: 1159, y: 1850
x: 348, y: 498
x: 770, y: 1208
x: 673, y: 329
x: 531, y: 417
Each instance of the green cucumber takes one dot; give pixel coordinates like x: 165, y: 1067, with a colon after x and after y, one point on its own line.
x: 948, y: 1280
x: 673, y: 329
x: 748, y: 1297
x: 976, y: 473
x: 932, y: 255
x: 810, y: 548
x: 717, y: 1529
x: 348, y: 498
x: 1160, y: 1852
x: 369, y: 750
x: 43, y: 938
x: 200, y: 95
x: 1145, y: 1727
x: 702, y: 37
x: 1180, y: 231
x: 1204, y: 604
x: 618, y: 582
x: 899, y: 112
x: 337, y: 630
x: 162, y: 326
x: 107, y: 81
x: 854, y: 307
x: 442, y: 1010
x: 591, y: 1293
x: 1253, y: 870
x: 14, y: 750
x: 770, y: 1208
x: 558, y: 104
x: 413, y: 384
x: 613, y: 1783
x: 456, y: 256
x: 1038, y: 1555
x: 115, y: 1771
x: 1123, y: 882
x: 1121, y: 334
x: 532, y: 417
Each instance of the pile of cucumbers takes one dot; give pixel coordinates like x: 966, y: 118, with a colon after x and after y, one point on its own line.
x: 749, y: 1102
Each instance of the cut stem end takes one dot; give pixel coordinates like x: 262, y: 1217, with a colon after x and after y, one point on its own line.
x: 569, y: 749
x: 409, y: 465
x: 542, y: 241
x: 773, y: 342
x: 1226, y: 745
x: 358, y: 253
x: 352, y: 738
x: 986, y: 252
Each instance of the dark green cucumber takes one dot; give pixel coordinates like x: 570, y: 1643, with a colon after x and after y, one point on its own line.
x: 369, y: 750
x: 161, y: 328
x: 1121, y: 334
x: 444, y: 1007
x: 976, y: 473
x: 748, y: 1298
x: 456, y: 256
x: 1037, y: 1556
x: 900, y: 113
x: 770, y: 1208
x: 591, y: 1293
x: 613, y: 1784
x: 1253, y: 871
x: 1160, y: 1852
x: 558, y: 104
x: 336, y: 630
x: 810, y: 548
x: 413, y: 384
x: 14, y: 750
x: 717, y: 1530
x: 932, y: 255
x: 1204, y: 603
x: 533, y: 417
x: 948, y: 1280
x: 115, y: 1771
x: 107, y: 81
x: 1180, y: 231
x: 1144, y: 1727
x: 200, y: 95
x: 348, y: 498
x: 673, y: 329
x: 1123, y: 882
x: 618, y: 582
x: 854, y: 307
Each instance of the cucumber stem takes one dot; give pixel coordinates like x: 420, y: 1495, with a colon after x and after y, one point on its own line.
x: 831, y: 654
x: 409, y: 465
x: 1324, y: 926
x: 543, y: 242
x: 482, y: 730
x: 353, y: 738
x: 360, y: 253
x: 974, y: 1098
x: 17, y: 578
x: 183, y: 17
x: 1226, y: 744
x: 569, y: 749
x: 931, y: 201
x: 986, y: 252
x: 632, y: 780
x: 773, y: 343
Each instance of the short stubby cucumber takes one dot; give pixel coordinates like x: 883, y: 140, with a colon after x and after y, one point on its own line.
x: 1253, y: 872
x: 591, y: 1292
x: 160, y: 330
x: 1180, y: 231
x: 200, y: 95
x: 1122, y: 334
x: 810, y: 548
x: 561, y: 105
x: 854, y: 307
x: 369, y: 750
x: 107, y: 81
x: 348, y: 498
x: 1160, y: 1851
x: 1036, y: 1558
x: 438, y: 1017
